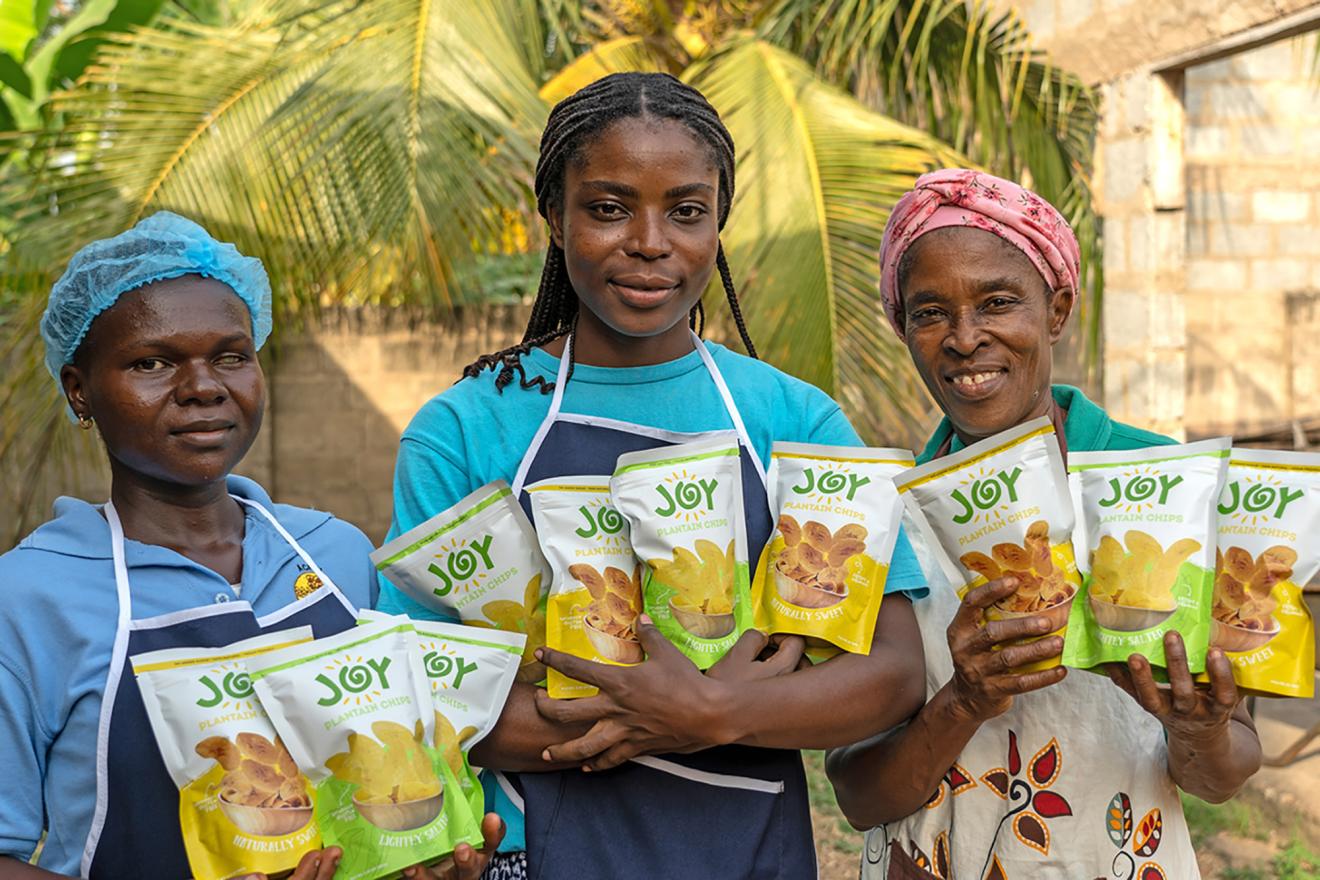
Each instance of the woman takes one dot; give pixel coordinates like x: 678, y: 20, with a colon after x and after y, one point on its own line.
x: 635, y: 179
x: 979, y: 277
x: 152, y: 336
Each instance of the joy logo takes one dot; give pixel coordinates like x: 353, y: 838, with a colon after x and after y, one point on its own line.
x: 601, y: 522
x: 686, y: 496
x: 1259, y: 499
x: 233, y: 686
x: 1140, y: 489
x: 441, y: 666
x: 353, y: 679
x: 461, y: 564
x: 830, y: 483
x: 986, y: 493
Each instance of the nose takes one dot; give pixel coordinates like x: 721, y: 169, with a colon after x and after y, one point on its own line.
x: 966, y: 333
x: 198, y: 383
x: 650, y: 237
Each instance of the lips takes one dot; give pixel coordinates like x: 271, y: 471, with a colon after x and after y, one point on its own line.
x: 643, y: 291
x: 211, y: 432
x: 976, y: 383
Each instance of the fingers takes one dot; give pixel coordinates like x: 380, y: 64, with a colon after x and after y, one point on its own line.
x: 597, y: 674
x: 614, y: 756
x: 1014, y: 656
x: 1181, y: 687
x: 1119, y: 675
x: 492, y: 832
x: 573, y: 711
x: 981, y: 598
x: 1144, y: 688
x: 787, y: 657
x: 996, y: 632
x: 600, y: 737
x: 748, y: 647
x: 319, y: 864
x: 657, y: 647
x: 1034, y: 681
x: 1223, y: 689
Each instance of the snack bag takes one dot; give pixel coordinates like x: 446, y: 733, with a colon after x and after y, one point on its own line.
x: 477, y: 561
x: 355, y: 711
x: 470, y: 673
x: 1269, y: 521
x: 1146, y: 529
x: 596, y: 581
x: 244, y: 806
x: 996, y: 508
x: 684, y: 507
x: 823, y: 573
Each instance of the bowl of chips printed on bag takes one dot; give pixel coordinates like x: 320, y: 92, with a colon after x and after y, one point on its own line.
x: 397, y: 789
x: 1242, y: 617
x: 1132, y: 588
x: 1043, y: 589
x: 262, y: 793
x: 812, y: 569
x: 610, y: 619
x: 703, y: 588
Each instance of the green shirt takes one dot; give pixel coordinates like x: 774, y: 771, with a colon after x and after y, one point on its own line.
x: 1087, y: 428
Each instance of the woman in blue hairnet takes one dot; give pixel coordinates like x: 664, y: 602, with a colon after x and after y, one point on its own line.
x: 152, y: 336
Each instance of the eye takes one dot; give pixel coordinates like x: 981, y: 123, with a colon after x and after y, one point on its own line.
x: 232, y: 359
x: 607, y: 210
x: 1000, y: 302
x: 150, y: 365
x: 689, y: 212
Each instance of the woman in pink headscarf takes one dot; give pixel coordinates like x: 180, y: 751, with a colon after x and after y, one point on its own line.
x: 1047, y: 774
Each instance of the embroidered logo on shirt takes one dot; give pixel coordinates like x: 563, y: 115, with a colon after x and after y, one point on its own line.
x: 307, y: 583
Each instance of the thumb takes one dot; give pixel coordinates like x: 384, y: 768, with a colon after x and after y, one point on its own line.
x: 786, y: 658
x: 748, y: 647
x: 654, y: 643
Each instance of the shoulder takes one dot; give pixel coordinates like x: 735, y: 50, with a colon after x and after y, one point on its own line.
x: 752, y: 379
x: 1125, y: 436
x: 475, y: 405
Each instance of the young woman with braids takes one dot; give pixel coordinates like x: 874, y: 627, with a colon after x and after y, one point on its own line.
x: 635, y: 180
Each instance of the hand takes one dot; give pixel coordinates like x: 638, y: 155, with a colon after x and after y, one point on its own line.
x: 755, y: 656
x: 663, y: 704
x: 984, y: 681
x: 319, y: 864
x: 465, y: 863
x: 1186, y: 711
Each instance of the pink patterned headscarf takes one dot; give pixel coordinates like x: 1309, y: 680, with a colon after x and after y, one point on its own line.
x: 962, y: 197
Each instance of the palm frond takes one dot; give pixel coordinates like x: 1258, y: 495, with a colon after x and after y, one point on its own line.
x: 612, y: 56
x: 817, y: 175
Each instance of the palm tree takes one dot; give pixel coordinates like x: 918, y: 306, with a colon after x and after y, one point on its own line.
x: 372, y: 152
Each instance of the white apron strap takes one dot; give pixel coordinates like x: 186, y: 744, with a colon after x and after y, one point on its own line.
x: 326, y: 582
x: 113, y: 674
x: 556, y: 403
x: 729, y: 405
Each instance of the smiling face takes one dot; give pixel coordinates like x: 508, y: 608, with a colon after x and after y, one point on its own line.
x: 980, y: 325
x: 170, y: 375
x: 638, y: 228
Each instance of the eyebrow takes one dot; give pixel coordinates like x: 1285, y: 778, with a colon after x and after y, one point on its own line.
x: 624, y: 191
x: 689, y: 189
x: 990, y: 285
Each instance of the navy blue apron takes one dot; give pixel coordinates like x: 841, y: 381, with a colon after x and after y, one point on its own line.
x: 729, y: 812
x: 135, y: 827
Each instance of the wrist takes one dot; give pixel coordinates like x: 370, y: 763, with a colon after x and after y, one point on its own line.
x: 722, y: 721
x: 961, y: 710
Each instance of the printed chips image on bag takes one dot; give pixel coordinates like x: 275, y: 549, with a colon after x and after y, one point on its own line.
x: 596, y: 580
x: 244, y: 806
x: 470, y: 673
x: 477, y: 561
x: 1269, y: 518
x: 823, y: 573
x: 684, y: 508
x: 355, y: 711
x: 1000, y: 507
x: 1146, y: 530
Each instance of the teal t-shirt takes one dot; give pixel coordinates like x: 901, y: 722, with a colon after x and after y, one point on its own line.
x: 471, y: 434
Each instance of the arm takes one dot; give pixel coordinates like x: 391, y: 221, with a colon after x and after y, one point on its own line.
x: 1213, y: 745
x: 12, y: 869
x: 890, y: 776
x: 521, y: 737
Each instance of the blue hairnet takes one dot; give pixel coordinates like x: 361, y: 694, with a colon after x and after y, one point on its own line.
x: 162, y: 246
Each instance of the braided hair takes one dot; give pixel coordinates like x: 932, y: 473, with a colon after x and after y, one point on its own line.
x: 573, y: 124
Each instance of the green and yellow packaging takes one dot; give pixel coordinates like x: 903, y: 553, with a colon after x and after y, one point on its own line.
x: 244, y: 806
x: 477, y: 561
x: 355, y: 711
x: 1000, y: 507
x: 822, y: 575
x: 1146, y: 534
x: 684, y: 507
x: 595, y: 579
x: 1269, y: 523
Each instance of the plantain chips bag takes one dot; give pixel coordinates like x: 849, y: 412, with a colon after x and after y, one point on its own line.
x: 595, y: 579
x: 823, y: 573
x: 684, y: 507
x: 355, y: 711
x: 244, y: 806
x: 1000, y: 507
x: 470, y: 673
x: 1269, y: 518
x: 1145, y: 536
x: 477, y: 561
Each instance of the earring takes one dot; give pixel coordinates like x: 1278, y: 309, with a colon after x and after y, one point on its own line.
x: 84, y: 422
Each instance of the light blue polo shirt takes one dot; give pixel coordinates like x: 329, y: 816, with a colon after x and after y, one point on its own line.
x: 471, y: 434
x: 58, y: 610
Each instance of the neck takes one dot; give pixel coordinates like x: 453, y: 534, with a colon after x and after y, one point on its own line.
x: 182, y: 518
x: 597, y: 345
x: 1044, y: 406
